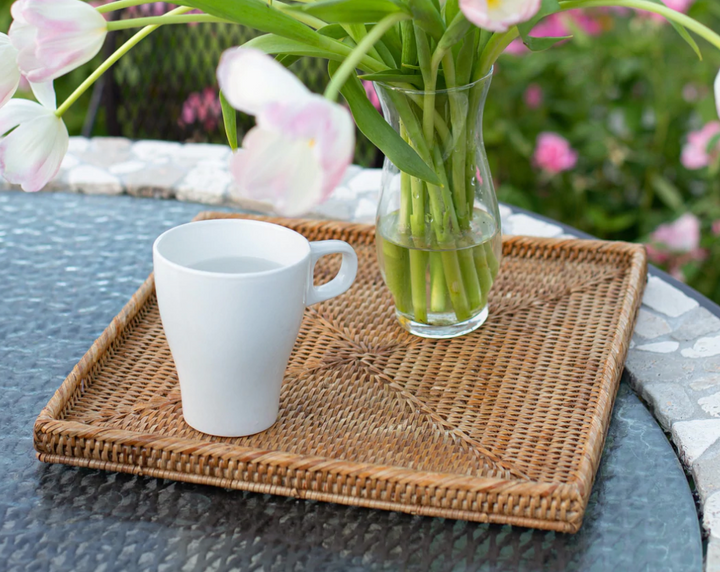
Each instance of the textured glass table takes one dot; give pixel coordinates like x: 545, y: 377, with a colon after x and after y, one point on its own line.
x: 69, y: 263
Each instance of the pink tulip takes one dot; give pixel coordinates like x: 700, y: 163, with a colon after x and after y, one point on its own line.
x: 33, y: 143
x: 534, y: 96
x: 553, y: 153
x: 695, y: 154
x: 716, y: 228
x: 9, y: 72
x: 499, y: 15
x: 683, y: 235
x: 54, y: 37
x: 302, y: 144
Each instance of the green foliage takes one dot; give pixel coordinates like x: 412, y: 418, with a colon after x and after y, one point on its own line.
x: 230, y: 122
x: 626, y: 100
x: 377, y: 130
x: 350, y: 11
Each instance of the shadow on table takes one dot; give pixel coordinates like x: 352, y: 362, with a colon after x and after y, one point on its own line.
x: 641, y: 517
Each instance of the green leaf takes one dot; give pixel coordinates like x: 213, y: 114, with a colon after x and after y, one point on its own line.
x: 259, y: 15
x: 379, y: 132
x: 714, y: 140
x: 409, y: 47
x: 393, y: 42
x: 611, y: 223
x: 684, y: 34
x: 230, y: 121
x: 273, y: 44
x: 334, y: 31
x: 668, y: 193
x: 427, y: 16
x: 540, y: 44
x: 450, y: 10
x: 465, y: 58
x: 349, y: 11
x: 385, y: 54
x: 287, y: 59
x: 455, y: 32
x: 394, y: 76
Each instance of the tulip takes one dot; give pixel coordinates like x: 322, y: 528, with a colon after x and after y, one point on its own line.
x: 252, y: 80
x: 717, y: 93
x: 499, y: 15
x: 54, y: 37
x: 302, y: 144
x: 33, y: 143
x: 9, y: 72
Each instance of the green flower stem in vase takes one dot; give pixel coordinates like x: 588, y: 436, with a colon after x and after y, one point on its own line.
x: 439, y: 245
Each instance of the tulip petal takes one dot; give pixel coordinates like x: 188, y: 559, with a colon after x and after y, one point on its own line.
x: 326, y: 126
x: 55, y: 36
x: 32, y: 153
x: 16, y: 112
x: 250, y: 80
x: 499, y: 15
x: 45, y: 93
x: 9, y: 72
x: 274, y: 167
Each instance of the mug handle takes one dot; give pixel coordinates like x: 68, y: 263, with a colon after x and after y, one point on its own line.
x: 341, y: 282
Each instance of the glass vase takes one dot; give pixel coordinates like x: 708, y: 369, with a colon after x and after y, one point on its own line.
x: 439, y: 245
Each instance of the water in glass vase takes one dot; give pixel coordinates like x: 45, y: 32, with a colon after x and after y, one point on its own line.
x: 440, y: 290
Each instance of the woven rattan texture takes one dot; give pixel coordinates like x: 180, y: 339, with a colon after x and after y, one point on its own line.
x: 504, y: 425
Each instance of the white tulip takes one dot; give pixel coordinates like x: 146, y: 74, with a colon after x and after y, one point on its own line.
x: 499, y: 15
x: 9, y: 72
x: 303, y: 143
x: 54, y: 37
x: 33, y: 143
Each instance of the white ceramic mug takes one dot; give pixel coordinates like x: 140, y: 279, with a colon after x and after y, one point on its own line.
x: 231, y: 333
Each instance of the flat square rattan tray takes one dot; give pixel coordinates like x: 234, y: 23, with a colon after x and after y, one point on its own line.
x: 503, y: 425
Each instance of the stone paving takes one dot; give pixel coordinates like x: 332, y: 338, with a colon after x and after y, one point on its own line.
x: 674, y: 360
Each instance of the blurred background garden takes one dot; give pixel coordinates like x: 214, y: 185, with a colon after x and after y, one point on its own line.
x: 614, y: 132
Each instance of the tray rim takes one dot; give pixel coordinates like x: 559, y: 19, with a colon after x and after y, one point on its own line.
x: 577, y: 490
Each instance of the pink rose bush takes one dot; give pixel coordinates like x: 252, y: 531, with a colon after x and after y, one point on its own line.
x: 553, y: 154
x: 699, y: 151
x: 683, y: 235
x: 557, y: 26
x: 302, y: 144
x: 202, y: 107
x: 676, y: 244
x: 534, y: 96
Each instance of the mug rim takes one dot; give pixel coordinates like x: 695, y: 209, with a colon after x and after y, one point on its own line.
x: 235, y: 275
